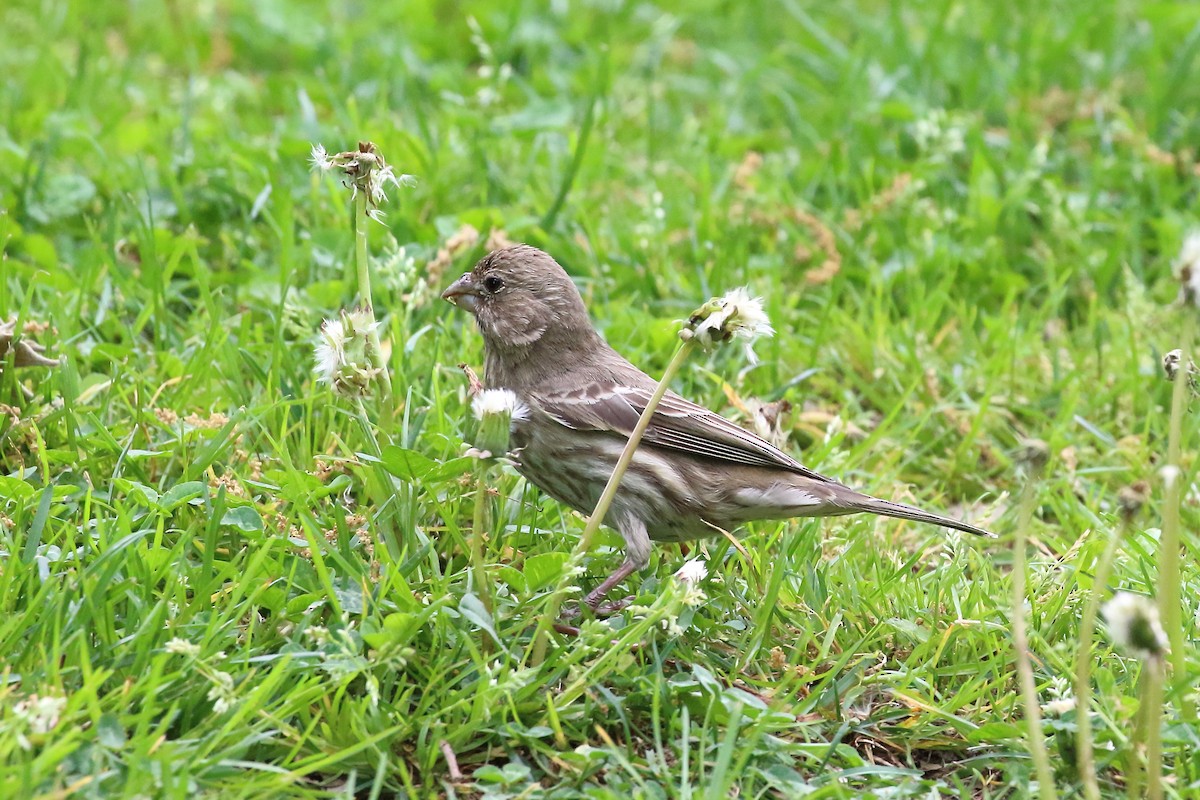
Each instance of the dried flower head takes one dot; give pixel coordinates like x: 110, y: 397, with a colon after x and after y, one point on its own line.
x: 1131, y: 498
x: 341, y: 354
x: 363, y: 170
x: 1187, y: 269
x: 736, y: 314
x: 497, y: 410
x: 1170, y: 364
x: 1134, y: 625
x: 1033, y: 454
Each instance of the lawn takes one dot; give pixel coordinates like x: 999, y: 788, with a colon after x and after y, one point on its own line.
x: 218, y: 578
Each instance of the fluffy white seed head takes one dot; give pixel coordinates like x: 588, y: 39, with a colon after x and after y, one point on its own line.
x: 692, y: 571
x: 363, y: 170
x: 341, y: 356
x: 1134, y: 625
x: 491, y: 402
x: 734, y: 315
x: 497, y: 410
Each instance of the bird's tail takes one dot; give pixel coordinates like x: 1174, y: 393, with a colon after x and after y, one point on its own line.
x: 887, y: 508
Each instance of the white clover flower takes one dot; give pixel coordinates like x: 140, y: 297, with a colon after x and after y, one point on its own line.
x: 1059, y: 707
x: 341, y: 357
x: 671, y: 626
x: 317, y: 635
x: 222, y: 693
x: 1134, y: 625
x: 938, y: 134
x: 40, y: 714
x: 1187, y: 268
x: 182, y: 647
x: 693, y: 595
x: 692, y: 571
x: 736, y: 314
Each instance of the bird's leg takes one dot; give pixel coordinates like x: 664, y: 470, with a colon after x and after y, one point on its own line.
x: 637, y: 555
x: 624, y: 571
x: 596, y: 595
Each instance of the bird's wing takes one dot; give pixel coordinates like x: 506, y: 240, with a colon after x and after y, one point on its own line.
x: 677, y: 424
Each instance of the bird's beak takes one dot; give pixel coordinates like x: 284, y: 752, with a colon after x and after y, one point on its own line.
x: 463, y: 293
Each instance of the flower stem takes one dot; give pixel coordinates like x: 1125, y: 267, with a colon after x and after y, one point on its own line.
x: 478, y: 575
x: 1085, y: 753
x: 1152, y: 702
x: 635, y: 438
x: 1169, y: 596
x: 542, y: 634
x: 363, y: 266
x: 1029, y: 698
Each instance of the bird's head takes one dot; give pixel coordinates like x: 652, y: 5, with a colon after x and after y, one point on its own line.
x: 520, y: 296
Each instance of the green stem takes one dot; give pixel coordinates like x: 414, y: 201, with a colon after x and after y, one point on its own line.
x: 541, y: 636
x: 363, y: 267
x: 1085, y: 758
x: 364, y: 422
x: 478, y: 576
x: 1169, y: 594
x: 1029, y: 698
x: 1152, y: 700
x: 635, y: 438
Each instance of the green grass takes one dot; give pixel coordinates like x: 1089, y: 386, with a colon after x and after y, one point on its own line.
x: 181, y: 476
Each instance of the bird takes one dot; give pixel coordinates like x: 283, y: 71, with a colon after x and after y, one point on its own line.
x: 694, y: 474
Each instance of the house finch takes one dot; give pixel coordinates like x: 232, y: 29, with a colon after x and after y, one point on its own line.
x: 694, y: 472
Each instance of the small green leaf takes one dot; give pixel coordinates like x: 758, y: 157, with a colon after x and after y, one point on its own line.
x: 181, y: 493
x: 109, y: 732
x: 244, y: 518
x: 15, y: 488
x: 514, y: 578
x: 543, y: 569
x: 992, y: 732
x: 473, y: 609
x: 407, y: 465
x: 139, y: 493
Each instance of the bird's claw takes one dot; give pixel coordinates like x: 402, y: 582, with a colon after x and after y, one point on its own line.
x: 600, y: 609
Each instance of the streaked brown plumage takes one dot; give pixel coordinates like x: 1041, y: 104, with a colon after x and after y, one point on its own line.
x: 693, y: 470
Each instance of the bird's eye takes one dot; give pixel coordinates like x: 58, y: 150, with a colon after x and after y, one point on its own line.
x: 493, y: 283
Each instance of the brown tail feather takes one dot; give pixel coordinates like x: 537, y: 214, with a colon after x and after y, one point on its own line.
x: 900, y: 511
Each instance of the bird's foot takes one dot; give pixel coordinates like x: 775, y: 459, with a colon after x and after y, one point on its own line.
x: 614, y: 607
x: 598, y: 609
x: 566, y: 630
